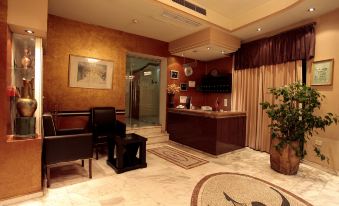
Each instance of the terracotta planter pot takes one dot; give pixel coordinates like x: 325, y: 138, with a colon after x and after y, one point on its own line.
x: 284, y: 161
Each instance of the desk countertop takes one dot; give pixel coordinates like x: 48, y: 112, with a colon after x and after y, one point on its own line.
x: 210, y: 114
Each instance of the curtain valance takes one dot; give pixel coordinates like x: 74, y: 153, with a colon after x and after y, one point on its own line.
x: 296, y: 44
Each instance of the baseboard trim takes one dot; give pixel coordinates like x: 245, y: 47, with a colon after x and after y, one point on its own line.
x: 22, y: 198
x: 320, y: 167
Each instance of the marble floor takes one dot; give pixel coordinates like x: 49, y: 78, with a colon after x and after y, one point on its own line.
x: 163, y: 183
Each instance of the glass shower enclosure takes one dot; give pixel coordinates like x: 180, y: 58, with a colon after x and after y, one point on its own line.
x: 142, y: 91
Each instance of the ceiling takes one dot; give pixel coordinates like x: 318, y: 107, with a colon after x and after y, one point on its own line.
x: 167, y: 21
x: 119, y: 14
x: 231, y: 9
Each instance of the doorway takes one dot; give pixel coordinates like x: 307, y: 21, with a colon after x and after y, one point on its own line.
x: 142, y: 91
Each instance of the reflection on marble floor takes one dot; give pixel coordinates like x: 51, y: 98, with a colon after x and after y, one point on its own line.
x: 163, y: 183
x: 141, y: 122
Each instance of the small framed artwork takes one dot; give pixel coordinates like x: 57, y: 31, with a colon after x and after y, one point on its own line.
x: 174, y: 74
x: 183, y: 86
x: 182, y: 99
x: 85, y: 72
x: 191, y: 83
x: 322, y: 72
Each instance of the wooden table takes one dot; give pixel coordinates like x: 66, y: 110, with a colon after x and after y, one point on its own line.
x: 127, y: 147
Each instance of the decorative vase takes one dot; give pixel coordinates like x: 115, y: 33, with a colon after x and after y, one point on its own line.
x: 26, y: 104
x: 170, y: 100
x: 26, y: 60
x: 285, y: 160
x: 216, y: 104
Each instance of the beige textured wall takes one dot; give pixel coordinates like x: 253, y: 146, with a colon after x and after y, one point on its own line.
x: 28, y: 14
x: 67, y: 37
x: 327, y: 41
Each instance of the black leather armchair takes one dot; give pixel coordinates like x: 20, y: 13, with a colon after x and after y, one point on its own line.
x: 65, y: 145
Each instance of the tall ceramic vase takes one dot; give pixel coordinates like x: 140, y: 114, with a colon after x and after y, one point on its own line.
x: 26, y: 104
x: 170, y: 100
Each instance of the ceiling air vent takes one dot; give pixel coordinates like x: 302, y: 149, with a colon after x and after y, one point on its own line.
x: 178, y: 18
x: 191, y: 6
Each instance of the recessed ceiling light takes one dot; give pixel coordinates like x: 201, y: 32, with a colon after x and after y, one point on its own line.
x: 258, y: 29
x: 208, y: 48
x: 311, y: 9
x: 91, y: 60
x: 29, y: 31
x: 135, y: 21
x: 223, y: 52
x: 182, y: 54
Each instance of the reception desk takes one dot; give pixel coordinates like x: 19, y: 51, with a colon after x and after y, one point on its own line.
x: 212, y: 132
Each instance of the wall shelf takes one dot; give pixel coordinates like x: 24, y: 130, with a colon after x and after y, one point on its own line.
x: 216, y: 84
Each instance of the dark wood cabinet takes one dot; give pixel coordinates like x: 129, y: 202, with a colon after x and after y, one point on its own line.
x: 212, y: 132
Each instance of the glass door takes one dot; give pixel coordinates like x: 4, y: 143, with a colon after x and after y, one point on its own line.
x: 142, y: 91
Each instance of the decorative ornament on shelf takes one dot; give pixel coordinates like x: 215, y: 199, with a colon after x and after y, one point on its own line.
x: 26, y: 104
x: 214, y: 73
x: 217, y: 104
x: 26, y: 60
x: 188, y: 70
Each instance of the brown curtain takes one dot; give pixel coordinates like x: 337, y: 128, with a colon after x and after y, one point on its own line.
x: 296, y: 44
x: 250, y: 88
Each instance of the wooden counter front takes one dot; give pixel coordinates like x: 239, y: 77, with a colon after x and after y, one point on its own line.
x: 212, y: 132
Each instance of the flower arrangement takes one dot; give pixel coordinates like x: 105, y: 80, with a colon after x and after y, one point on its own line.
x: 173, y: 88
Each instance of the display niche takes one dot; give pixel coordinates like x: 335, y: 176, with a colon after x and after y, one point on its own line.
x: 21, y: 91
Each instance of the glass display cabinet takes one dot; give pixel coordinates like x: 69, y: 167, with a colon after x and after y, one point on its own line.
x: 25, y: 90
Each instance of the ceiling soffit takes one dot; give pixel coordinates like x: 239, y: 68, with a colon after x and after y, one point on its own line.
x: 205, y: 45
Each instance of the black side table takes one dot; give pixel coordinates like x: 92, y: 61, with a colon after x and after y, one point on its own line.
x: 127, y: 147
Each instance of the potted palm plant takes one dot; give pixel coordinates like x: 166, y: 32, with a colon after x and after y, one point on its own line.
x: 293, y: 123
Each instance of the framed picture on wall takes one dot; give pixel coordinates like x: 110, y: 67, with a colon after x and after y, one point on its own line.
x: 191, y: 83
x: 183, y: 86
x: 174, y: 74
x: 322, y: 72
x: 86, y: 72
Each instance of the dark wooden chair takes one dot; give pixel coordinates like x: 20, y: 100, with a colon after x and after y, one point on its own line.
x: 65, y: 145
x: 103, y: 123
x: 122, y: 148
